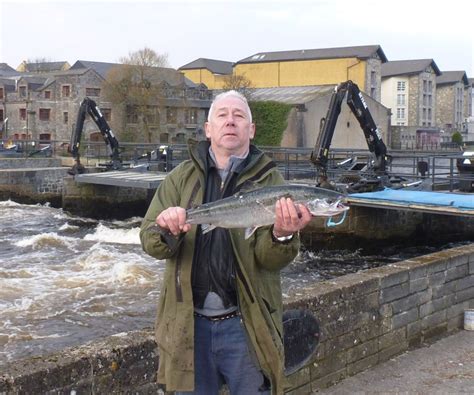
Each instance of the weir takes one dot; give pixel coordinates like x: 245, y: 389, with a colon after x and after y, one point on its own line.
x: 366, y: 318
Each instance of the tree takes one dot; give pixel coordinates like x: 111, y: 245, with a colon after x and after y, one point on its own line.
x: 136, y: 87
x: 457, y: 138
x: 240, y: 83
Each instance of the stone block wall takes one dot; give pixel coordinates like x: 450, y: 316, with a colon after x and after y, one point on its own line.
x: 30, y: 186
x: 366, y: 318
x: 371, y: 316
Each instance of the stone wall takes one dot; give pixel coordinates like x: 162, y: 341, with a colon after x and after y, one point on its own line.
x: 366, y: 319
x: 369, y: 317
x: 33, y: 185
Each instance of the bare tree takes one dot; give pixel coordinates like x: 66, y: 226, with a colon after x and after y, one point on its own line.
x: 239, y: 83
x: 136, y: 87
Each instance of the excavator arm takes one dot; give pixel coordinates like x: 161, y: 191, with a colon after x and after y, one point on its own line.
x: 351, y: 93
x: 89, y: 106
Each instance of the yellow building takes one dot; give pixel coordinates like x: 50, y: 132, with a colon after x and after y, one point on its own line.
x: 326, y: 66
x: 209, y: 72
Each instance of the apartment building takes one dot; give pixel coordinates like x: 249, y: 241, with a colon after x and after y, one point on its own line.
x: 452, y: 99
x: 409, y: 90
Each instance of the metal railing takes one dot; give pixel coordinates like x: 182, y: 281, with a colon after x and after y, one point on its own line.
x: 440, y: 167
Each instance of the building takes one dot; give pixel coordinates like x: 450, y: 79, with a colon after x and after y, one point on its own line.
x: 210, y: 72
x: 452, y: 100
x: 309, y: 67
x: 310, y: 105
x: 409, y: 90
x: 42, y: 67
x: 44, y: 105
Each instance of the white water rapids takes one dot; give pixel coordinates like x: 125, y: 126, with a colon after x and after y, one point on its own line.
x: 65, y: 280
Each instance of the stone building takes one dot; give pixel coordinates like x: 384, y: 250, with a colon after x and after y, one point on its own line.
x: 44, y: 105
x: 453, y: 91
x: 409, y: 90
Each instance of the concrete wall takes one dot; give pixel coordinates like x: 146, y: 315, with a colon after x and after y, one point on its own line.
x: 366, y: 318
x: 28, y: 163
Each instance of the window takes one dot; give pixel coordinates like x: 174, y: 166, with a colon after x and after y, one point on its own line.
x: 107, y: 113
x: 400, y: 100
x: 190, y: 116
x: 47, y: 94
x: 22, y: 114
x: 92, y: 91
x: 22, y: 91
x: 401, y: 85
x: 45, y: 137
x: 132, y: 114
x: 66, y: 90
x: 1, y: 93
x: 44, y: 114
x: 171, y: 115
x: 400, y: 113
x: 1, y: 115
x: 65, y: 117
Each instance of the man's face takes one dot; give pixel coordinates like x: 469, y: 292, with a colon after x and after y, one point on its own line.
x: 229, y: 127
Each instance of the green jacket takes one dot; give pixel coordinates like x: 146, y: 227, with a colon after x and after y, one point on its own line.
x: 258, y: 277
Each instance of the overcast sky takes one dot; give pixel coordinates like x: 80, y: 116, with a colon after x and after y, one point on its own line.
x: 231, y: 30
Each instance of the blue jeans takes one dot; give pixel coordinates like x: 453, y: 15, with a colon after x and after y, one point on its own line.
x: 221, y: 356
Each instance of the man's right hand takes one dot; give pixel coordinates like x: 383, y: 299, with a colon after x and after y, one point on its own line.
x: 173, y: 219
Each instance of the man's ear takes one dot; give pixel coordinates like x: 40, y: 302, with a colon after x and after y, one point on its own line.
x: 206, y: 129
x: 252, y: 131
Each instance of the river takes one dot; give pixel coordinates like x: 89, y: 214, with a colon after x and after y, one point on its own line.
x: 65, y: 280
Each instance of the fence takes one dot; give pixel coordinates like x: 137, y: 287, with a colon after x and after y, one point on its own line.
x: 439, y: 167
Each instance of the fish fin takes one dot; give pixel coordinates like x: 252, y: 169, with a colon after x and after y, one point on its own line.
x: 207, y: 228
x: 250, y: 231
x: 248, y: 186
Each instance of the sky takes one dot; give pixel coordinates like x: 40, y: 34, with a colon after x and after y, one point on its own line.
x: 185, y: 30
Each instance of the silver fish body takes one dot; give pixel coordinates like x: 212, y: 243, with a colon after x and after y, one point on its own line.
x: 256, y: 208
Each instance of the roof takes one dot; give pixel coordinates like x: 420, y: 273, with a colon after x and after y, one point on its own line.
x: 171, y: 76
x: 452, y: 77
x: 213, y: 65
x: 6, y: 70
x: 406, y: 67
x: 291, y: 94
x: 361, y: 52
x: 102, y: 68
x: 44, y: 67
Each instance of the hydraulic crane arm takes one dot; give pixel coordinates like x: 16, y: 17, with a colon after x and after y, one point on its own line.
x: 89, y: 106
x: 359, y: 108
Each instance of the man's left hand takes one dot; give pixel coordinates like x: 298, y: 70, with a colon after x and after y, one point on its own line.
x: 289, y: 217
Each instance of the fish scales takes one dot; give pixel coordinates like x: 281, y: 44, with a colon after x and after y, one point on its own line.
x: 257, y: 208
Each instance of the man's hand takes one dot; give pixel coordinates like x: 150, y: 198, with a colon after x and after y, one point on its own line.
x: 289, y: 218
x: 173, y: 219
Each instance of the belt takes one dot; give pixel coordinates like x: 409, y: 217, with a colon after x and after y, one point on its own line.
x: 218, y: 317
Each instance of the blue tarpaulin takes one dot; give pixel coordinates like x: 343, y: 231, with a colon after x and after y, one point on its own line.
x: 431, y: 200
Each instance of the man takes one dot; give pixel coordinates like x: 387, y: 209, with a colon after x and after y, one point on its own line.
x: 220, y: 308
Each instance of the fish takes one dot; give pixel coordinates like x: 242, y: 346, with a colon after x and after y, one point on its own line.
x: 256, y: 208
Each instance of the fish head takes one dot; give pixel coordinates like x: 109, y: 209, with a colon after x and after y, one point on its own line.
x: 326, y: 207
